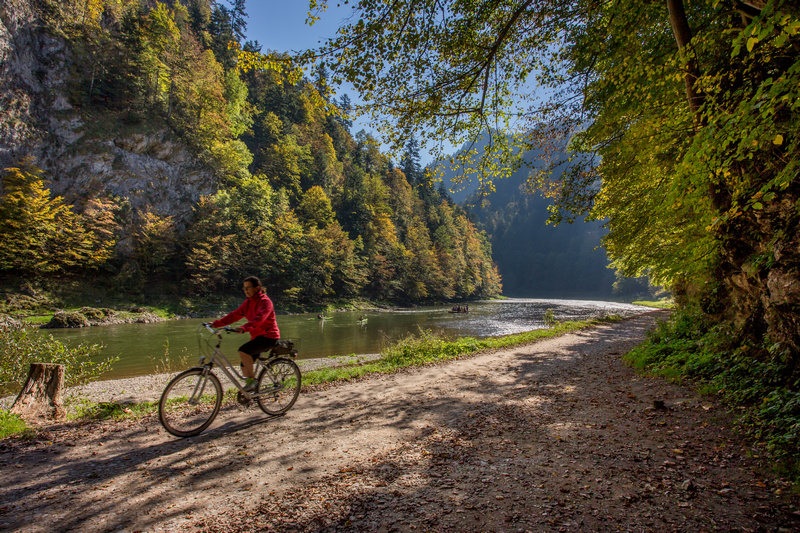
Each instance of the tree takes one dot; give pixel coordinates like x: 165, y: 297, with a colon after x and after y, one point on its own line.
x: 40, y: 234
x: 154, y: 243
x: 345, y: 109
x: 410, y: 162
x: 686, y: 116
x: 315, y: 208
x: 223, y: 28
x: 210, y: 246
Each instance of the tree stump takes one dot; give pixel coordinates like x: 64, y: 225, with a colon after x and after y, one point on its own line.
x: 41, y: 395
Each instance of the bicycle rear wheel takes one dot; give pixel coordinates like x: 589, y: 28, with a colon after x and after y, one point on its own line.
x: 278, y: 386
x: 190, y: 402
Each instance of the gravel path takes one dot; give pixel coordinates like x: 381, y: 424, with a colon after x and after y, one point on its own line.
x: 557, y: 435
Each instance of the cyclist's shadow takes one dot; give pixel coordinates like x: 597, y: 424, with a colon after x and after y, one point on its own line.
x: 224, y: 427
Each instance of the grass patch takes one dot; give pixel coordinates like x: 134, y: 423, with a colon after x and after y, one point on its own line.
x: 12, y: 425
x: 39, y: 320
x: 87, y: 410
x: 664, y: 303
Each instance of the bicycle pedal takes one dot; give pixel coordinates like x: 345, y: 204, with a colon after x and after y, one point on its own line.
x: 242, y: 399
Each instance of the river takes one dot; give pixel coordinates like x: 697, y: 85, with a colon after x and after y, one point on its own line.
x: 143, y: 348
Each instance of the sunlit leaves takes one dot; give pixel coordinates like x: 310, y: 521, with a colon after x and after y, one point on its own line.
x: 40, y: 234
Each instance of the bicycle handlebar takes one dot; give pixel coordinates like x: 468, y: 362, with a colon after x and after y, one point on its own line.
x: 216, y: 331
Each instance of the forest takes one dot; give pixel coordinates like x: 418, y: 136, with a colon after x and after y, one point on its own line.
x: 316, y: 211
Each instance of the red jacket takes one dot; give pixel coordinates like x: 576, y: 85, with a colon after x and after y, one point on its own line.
x: 260, y: 315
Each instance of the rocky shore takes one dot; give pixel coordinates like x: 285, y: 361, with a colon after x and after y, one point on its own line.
x: 94, y: 316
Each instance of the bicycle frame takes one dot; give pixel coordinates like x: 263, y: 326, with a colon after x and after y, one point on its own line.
x: 222, y: 362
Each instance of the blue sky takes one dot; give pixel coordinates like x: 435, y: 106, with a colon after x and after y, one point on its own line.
x: 280, y: 25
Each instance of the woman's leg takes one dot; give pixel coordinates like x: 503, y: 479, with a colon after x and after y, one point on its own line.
x: 247, y: 364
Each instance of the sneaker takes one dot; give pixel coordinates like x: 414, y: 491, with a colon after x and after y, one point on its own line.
x: 250, y: 384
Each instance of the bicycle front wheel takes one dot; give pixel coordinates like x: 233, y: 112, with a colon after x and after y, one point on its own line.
x: 278, y: 386
x: 190, y: 402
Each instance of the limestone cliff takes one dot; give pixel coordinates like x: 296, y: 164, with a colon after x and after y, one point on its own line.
x: 144, y: 165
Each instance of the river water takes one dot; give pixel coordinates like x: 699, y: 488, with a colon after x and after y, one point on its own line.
x: 143, y: 348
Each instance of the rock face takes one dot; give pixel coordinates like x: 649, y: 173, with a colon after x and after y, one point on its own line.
x: 144, y: 165
x: 762, y: 274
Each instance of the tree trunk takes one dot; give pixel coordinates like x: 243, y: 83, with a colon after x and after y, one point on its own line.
x: 683, y: 35
x: 41, y: 395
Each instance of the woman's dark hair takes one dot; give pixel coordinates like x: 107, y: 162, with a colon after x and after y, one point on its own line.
x: 254, y: 281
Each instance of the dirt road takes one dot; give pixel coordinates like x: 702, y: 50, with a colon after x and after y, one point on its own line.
x: 554, y: 436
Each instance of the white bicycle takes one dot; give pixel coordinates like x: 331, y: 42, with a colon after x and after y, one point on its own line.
x: 192, y: 399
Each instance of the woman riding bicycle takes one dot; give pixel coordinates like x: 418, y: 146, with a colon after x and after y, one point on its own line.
x: 261, y: 324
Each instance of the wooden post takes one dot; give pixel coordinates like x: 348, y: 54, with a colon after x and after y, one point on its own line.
x: 41, y: 395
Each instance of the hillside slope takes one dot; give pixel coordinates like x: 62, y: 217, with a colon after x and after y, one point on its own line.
x: 536, y: 259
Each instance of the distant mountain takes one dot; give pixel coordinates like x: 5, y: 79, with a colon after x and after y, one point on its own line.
x: 536, y: 259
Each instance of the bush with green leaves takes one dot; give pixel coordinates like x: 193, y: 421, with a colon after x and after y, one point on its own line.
x: 21, y: 345
x: 549, y: 318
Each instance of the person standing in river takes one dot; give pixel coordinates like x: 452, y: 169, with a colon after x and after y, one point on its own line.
x: 261, y: 324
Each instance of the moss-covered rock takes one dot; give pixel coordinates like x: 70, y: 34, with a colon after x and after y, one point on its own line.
x: 72, y: 319
x: 97, y: 315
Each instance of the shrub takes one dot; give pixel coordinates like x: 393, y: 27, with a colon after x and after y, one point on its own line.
x: 21, y: 345
x: 94, y: 314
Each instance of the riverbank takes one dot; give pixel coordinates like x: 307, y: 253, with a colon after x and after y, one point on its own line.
x: 41, y: 310
x: 69, y: 306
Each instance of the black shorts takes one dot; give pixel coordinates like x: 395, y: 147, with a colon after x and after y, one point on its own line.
x: 255, y: 346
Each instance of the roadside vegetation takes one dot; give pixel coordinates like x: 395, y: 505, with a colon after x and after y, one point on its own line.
x: 663, y: 303
x: 759, y: 383
x: 12, y: 425
x: 20, y: 346
x: 427, y: 348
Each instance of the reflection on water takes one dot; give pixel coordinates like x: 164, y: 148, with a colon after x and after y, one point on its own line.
x: 141, y: 347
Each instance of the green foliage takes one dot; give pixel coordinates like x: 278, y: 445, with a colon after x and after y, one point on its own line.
x: 155, y: 241
x: 315, y: 208
x: 664, y: 303
x: 683, y: 127
x: 20, y: 345
x: 315, y: 212
x: 42, y: 235
x: 549, y: 318
x: 759, y: 384
x: 11, y: 425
